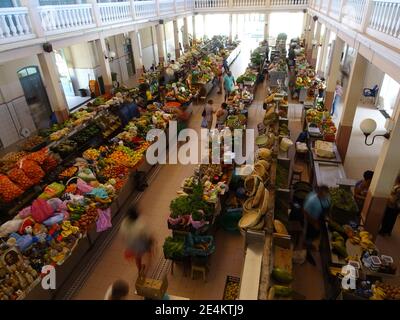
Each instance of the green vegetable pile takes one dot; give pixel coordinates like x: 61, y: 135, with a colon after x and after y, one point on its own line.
x: 343, y: 199
x: 251, y: 77
x: 86, y: 134
x: 190, y: 204
x: 174, y: 247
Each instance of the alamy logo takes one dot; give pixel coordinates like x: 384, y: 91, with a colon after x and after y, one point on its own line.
x: 349, y: 277
x: 211, y: 146
x: 48, y: 277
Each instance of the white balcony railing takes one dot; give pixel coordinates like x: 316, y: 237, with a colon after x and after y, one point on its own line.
x: 288, y: 3
x: 114, y: 12
x: 180, y: 5
x: 353, y: 12
x: 249, y: 3
x: 145, y: 9
x: 65, y: 18
x: 209, y: 4
x: 384, y: 22
x: 166, y: 7
x: 335, y: 6
x: 14, y: 24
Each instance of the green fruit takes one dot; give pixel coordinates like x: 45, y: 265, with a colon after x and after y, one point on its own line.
x: 281, y: 276
x: 282, y: 291
x: 340, y: 249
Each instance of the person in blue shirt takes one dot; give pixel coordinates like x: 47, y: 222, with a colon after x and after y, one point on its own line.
x: 315, y: 207
x: 229, y: 84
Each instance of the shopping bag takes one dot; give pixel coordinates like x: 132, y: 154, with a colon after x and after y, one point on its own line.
x: 104, y: 220
x: 41, y: 210
x: 204, y: 123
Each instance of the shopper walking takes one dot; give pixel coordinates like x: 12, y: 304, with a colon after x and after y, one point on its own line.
x: 119, y: 290
x: 137, y: 238
x: 361, y: 188
x: 207, y: 115
x: 229, y: 84
x: 392, y: 210
x: 337, y: 97
x: 315, y: 208
x: 222, y: 114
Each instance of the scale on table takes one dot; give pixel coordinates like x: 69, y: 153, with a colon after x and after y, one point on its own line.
x: 313, y: 130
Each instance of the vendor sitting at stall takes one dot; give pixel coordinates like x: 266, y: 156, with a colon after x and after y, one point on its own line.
x: 222, y: 114
x: 361, y: 188
x: 315, y: 208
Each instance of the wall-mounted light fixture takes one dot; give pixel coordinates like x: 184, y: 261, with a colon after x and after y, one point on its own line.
x: 110, y: 56
x: 367, y: 127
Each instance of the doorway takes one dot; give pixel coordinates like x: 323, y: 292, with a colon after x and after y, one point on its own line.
x: 130, y: 63
x: 36, y: 96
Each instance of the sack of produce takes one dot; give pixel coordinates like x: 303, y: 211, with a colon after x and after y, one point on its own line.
x: 324, y: 149
x: 18, y: 176
x: 285, y: 144
x: 50, y: 163
x: 83, y: 187
x: 24, y: 213
x: 38, y: 156
x: 86, y: 175
x: 32, y: 170
x: 250, y: 219
x: 251, y: 184
x: 53, y: 190
x: 264, y: 154
x: 10, y: 227
x: 8, y: 190
x: 41, y: 210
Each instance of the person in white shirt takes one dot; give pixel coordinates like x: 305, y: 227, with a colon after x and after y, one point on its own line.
x: 338, y: 95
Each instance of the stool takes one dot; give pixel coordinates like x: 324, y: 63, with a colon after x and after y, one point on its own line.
x: 296, y: 174
x: 199, y: 268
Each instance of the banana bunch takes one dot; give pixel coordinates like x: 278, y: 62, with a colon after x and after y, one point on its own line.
x: 377, y: 293
x: 68, y: 229
x: 366, y: 242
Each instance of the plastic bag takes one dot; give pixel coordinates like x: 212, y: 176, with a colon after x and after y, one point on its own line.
x: 86, y: 175
x: 57, y: 218
x: 53, y: 190
x: 24, y: 213
x: 83, y: 186
x: 99, y: 193
x: 9, y: 190
x: 104, y: 220
x: 204, y: 123
x: 57, y: 204
x: 10, y: 227
x: 22, y: 242
x: 41, y: 210
x: 32, y: 170
x: 285, y: 144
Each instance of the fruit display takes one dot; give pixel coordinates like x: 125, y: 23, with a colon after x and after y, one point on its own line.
x: 32, y: 170
x: 66, y: 147
x: 86, y: 134
x: 232, y: 287
x: 281, y: 276
x: 324, y: 122
x: 33, y: 143
x: 248, y: 77
x: 19, y: 177
x: 343, y: 208
x: 174, y: 247
x: 8, y: 190
x: 384, y: 291
x: 68, y: 173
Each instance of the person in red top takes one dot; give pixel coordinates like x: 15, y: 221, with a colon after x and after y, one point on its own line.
x: 220, y: 73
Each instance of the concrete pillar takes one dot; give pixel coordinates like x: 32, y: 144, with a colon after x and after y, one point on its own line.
x: 266, y: 26
x: 204, y: 25
x: 324, y: 52
x: 333, y: 72
x: 193, y: 27
x: 120, y: 51
x: 160, y: 42
x: 52, y: 82
x: 105, y: 69
x: 154, y: 42
x: 176, y: 39
x: 309, y: 46
x: 385, y: 173
x: 316, y: 46
x: 136, y: 51
x: 307, y: 30
x: 237, y: 26
x: 185, y: 35
x: 303, y: 29
x: 230, y: 27
x: 350, y: 103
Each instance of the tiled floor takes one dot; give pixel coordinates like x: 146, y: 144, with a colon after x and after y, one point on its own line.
x: 228, y: 258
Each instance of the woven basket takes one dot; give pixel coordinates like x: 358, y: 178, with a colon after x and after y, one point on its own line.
x: 251, y: 184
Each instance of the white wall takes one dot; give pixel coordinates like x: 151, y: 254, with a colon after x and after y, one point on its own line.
x: 373, y: 76
x: 147, y: 49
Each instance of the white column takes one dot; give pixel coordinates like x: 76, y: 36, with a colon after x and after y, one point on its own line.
x: 52, y: 82
x: 230, y: 27
x: 204, y: 25
x: 160, y: 42
x: 317, y: 41
x: 386, y: 170
x: 266, y: 26
x: 96, y: 12
x: 176, y: 39
x: 237, y: 25
x: 104, y: 63
x: 33, y: 12
x: 310, y: 34
x: 185, y: 36
x: 137, y: 51
x: 194, y: 27
x: 119, y: 47
x: 303, y: 30
x: 333, y: 72
x: 154, y: 42
x: 324, y: 49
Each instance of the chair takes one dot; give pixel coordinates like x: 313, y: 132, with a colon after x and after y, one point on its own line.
x: 369, y: 93
x: 199, y: 264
